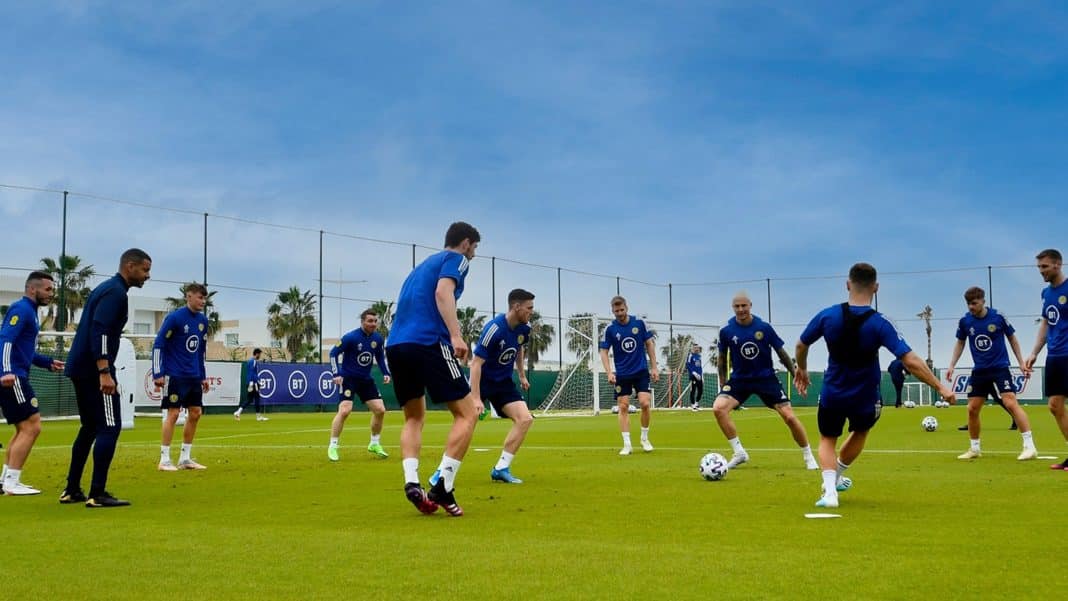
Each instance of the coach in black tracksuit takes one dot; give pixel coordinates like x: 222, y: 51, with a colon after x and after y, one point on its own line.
x: 91, y: 368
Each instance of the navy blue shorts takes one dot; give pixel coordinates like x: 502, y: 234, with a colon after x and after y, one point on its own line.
x: 96, y: 409
x: 1055, y: 377
x: 183, y: 392
x: 499, y: 393
x: 18, y: 401
x: 420, y: 369
x: 629, y: 384
x: 365, y: 388
x: 832, y: 420
x: 768, y: 389
x: 990, y: 382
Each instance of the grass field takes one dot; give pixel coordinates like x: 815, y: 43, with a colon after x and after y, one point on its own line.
x: 273, y: 519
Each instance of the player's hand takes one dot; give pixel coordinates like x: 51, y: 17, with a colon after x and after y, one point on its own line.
x: 251, y: 386
x: 386, y: 379
x: 338, y: 380
x: 1029, y: 363
x: 949, y: 374
x: 205, y: 386
x: 459, y: 347
x: 654, y: 376
x: 611, y: 377
x: 107, y: 384
x: 801, y: 382
x: 524, y: 383
x: 159, y: 383
x: 57, y: 365
x: 8, y: 380
x: 480, y: 408
x: 947, y: 394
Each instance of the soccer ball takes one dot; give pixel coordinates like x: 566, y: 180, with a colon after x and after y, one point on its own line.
x: 929, y: 423
x: 909, y: 404
x: 713, y: 466
x: 940, y: 404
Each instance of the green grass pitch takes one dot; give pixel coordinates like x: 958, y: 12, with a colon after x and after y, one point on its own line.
x: 273, y: 519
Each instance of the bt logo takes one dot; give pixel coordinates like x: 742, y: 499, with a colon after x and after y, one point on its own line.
x: 750, y: 350
x: 628, y: 345
x: 983, y: 343
x: 267, y: 383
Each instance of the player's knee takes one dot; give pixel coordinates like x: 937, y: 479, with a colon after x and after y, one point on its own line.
x: 525, y: 420
x: 194, y: 413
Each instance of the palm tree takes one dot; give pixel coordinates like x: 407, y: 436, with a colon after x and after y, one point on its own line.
x: 72, y: 285
x: 541, y: 336
x: 385, y: 316
x: 292, y: 318
x: 470, y: 324
x: 309, y: 353
x: 677, y: 351
x: 214, y: 321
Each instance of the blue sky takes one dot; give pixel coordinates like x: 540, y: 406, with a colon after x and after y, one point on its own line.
x: 662, y: 142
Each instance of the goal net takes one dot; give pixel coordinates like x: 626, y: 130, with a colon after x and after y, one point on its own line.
x: 917, y: 392
x: 582, y: 387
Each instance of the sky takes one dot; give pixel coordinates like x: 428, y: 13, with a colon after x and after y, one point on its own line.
x: 724, y: 143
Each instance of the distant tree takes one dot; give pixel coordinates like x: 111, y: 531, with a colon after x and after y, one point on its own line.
x: 291, y: 318
x: 541, y: 336
x: 470, y: 324
x: 214, y: 321
x: 73, y: 279
x: 385, y: 316
x: 676, y: 351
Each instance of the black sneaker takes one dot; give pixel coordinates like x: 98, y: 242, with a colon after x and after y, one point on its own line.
x: 1014, y: 426
x: 963, y: 428
x: 418, y: 497
x: 72, y: 496
x: 105, y: 499
x: 445, y: 500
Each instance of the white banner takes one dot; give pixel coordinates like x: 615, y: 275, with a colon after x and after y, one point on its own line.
x: 224, y: 380
x: 1027, y: 389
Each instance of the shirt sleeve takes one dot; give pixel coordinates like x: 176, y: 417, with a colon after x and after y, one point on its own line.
x: 604, y: 344
x: 813, y: 331
x: 962, y: 332
x: 1009, y: 330
x: 890, y: 338
x: 453, y: 267
x: 10, y: 331
x: 647, y: 333
x: 485, y: 339
x: 204, y: 350
x: 721, y: 343
x: 105, y: 323
x: 162, y: 336
x: 773, y: 338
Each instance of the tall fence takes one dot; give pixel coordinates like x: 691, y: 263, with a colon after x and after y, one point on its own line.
x: 249, y: 259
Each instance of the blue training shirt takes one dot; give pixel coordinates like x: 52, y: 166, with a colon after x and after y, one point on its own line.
x: 693, y: 365
x: 100, y: 328
x: 499, y: 345
x: 627, y: 342
x: 353, y: 355
x: 253, y: 370
x: 751, y: 348
x: 846, y: 385
x: 180, y: 346
x: 417, y: 319
x: 18, y: 339
x: 1054, y: 307
x: 986, y: 338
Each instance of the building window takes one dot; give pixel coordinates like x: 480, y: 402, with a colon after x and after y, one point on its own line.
x: 232, y: 340
x: 142, y: 328
x: 276, y: 344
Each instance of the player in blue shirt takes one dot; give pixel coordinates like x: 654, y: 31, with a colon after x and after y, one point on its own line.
x: 986, y: 331
x: 425, y: 344
x: 630, y: 342
x: 18, y: 350
x: 252, y: 387
x: 697, y: 379
x: 498, y: 352
x: 91, y: 368
x: 178, y: 360
x: 350, y: 362
x: 896, y: 369
x: 1053, y: 334
x: 748, y: 342
x: 854, y: 332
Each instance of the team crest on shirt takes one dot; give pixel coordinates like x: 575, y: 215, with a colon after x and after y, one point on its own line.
x: 200, y: 327
x: 991, y: 328
x: 1062, y: 299
x: 14, y: 319
x: 374, y: 344
x: 33, y: 402
x: 619, y: 389
x: 634, y: 330
x: 727, y: 388
x: 759, y: 335
x: 348, y: 394
x: 520, y: 339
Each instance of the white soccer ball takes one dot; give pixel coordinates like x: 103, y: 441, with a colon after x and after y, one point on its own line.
x: 713, y: 466
x: 909, y: 404
x: 929, y: 423
x: 615, y: 408
x: 941, y: 404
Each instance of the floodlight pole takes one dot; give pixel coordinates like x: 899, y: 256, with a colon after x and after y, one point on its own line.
x: 493, y: 286
x: 321, y: 298
x: 990, y: 284
x: 205, y: 249
x: 559, y: 321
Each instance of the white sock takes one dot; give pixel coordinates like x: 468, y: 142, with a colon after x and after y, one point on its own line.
x: 11, y: 478
x: 238, y: 412
x: 626, y: 440
x: 165, y: 453
x: 411, y: 470
x: 645, y: 434
x: 975, y: 444
x: 840, y: 470
x: 505, y: 461
x: 736, y: 444
x: 186, y: 450
x: 806, y: 451
x: 376, y: 439
x: 333, y: 441
x: 829, y: 482
x: 449, y: 467
x: 3, y: 474
x: 1028, y: 440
